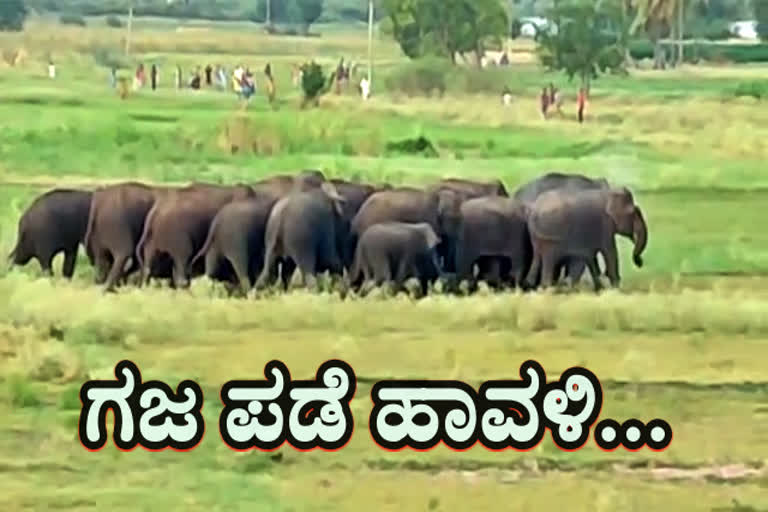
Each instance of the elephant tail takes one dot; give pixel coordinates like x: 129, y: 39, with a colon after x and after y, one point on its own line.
x: 145, y: 236
x: 89, y: 231
x: 204, y: 249
x: 355, y: 275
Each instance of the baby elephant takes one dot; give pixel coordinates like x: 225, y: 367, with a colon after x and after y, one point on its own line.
x: 395, y: 252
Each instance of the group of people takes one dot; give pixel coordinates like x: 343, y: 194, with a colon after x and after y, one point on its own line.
x: 551, y: 98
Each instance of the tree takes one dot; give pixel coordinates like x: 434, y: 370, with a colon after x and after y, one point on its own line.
x: 445, y: 27
x: 588, y: 38
x: 309, y: 11
x: 12, y: 15
x: 761, y: 16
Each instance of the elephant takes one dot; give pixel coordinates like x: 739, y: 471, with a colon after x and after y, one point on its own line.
x: 440, y: 208
x: 283, y: 184
x: 570, y: 183
x: 394, y: 252
x: 493, y: 227
x: 115, y: 225
x: 176, y: 229
x: 354, y: 194
x: 56, y: 221
x: 301, y: 232
x: 467, y: 189
x: 579, y: 225
x: 234, y: 248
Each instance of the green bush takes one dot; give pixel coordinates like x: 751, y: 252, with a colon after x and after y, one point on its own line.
x: 114, y: 22
x: 419, y: 77
x: 735, y: 53
x: 757, y: 89
x: 72, y: 19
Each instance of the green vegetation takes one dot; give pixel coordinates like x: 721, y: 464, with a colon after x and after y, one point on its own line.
x: 12, y: 15
x: 684, y: 339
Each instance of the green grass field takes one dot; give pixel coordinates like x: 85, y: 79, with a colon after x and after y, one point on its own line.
x: 684, y: 340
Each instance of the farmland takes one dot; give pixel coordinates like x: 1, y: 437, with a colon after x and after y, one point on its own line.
x: 683, y: 340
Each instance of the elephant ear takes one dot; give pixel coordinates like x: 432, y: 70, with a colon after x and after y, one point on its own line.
x: 620, y: 204
x: 333, y: 194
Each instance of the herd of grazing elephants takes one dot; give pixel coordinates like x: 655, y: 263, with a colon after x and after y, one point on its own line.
x: 363, y: 235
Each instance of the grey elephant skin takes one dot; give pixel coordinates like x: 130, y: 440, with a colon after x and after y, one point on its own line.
x: 301, y: 232
x: 580, y: 225
x: 440, y: 208
x: 281, y: 185
x: 176, y: 229
x: 494, y: 227
x: 354, y: 194
x: 234, y: 249
x: 392, y: 252
x: 55, y: 222
x: 488, y: 268
x: 568, y: 183
x: 115, y: 225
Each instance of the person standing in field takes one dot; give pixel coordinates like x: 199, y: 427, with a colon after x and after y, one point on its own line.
x: 270, y: 82
x: 365, y: 88
x: 51, y: 69
x: 153, y: 76
x: 208, y: 75
x: 544, y: 99
x: 582, y: 103
x: 177, y: 77
x: 339, y: 75
x: 555, y: 98
x: 113, y: 77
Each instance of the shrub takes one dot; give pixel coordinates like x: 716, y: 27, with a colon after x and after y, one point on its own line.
x: 312, y: 82
x: 756, y: 89
x: 419, y: 77
x: 114, y: 22
x: 736, y: 53
x: 72, y: 19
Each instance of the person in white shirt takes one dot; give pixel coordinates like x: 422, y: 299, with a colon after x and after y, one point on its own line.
x: 51, y: 69
x: 365, y: 88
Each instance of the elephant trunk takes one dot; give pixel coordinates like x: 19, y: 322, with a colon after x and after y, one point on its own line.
x: 639, y: 237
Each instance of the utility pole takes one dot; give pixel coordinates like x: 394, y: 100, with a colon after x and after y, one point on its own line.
x: 269, y: 13
x: 130, y: 27
x: 681, y: 14
x: 370, y: 41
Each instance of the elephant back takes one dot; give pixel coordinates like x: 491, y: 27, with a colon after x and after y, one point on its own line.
x: 560, y: 213
x: 397, y: 205
x: 571, y: 183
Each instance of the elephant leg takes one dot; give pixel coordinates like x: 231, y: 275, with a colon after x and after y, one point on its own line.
x: 46, y: 263
x: 575, y: 269
x: 548, y: 261
x: 594, y: 270
x: 116, y: 272
x: 70, y: 257
x: 533, y: 273
x: 611, y: 256
x: 270, y: 271
x: 241, y: 271
x: 101, y: 264
x: 212, y: 262
x: 286, y: 272
x: 180, y: 276
x: 147, y: 264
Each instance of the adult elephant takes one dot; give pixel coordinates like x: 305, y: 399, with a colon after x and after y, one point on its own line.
x: 579, y: 225
x: 467, y: 190
x: 570, y: 184
x: 55, y: 222
x: 440, y: 208
x: 281, y: 185
x: 493, y: 227
x: 354, y: 194
x: 234, y: 249
x: 176, y: 229
x: 392, y: 252
x: 301, y: 232
x: 115, y: 225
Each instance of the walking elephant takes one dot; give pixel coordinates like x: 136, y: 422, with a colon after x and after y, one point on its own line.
x: 234, y: 249
x: 176, y: 229
x: 301, y: 232
x: 569, y: 183
x: 392, y: 252
x: 115, y: 225
x: 440, y: 208
x: 493, y: 227
x: 564, y: 225
x: 467, y: 189
x: 55, y: 222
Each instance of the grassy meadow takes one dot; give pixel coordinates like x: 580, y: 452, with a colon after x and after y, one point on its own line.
x: 685, y: 339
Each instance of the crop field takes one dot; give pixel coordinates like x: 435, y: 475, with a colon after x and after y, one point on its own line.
x: 685, y: 339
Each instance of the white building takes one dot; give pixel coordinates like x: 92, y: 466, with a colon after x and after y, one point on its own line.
x: 744, y: 29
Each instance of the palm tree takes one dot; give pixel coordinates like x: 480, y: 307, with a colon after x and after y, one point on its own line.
x: 658, y: 18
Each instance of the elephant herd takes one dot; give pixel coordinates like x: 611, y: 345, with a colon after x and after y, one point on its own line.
x: 364, y: 235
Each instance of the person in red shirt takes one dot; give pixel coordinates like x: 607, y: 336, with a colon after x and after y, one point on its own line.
x: 582, y: 103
